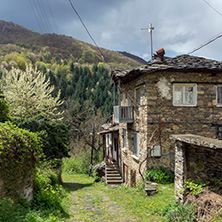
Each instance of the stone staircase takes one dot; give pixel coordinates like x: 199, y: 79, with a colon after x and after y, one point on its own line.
x: 113, y: 176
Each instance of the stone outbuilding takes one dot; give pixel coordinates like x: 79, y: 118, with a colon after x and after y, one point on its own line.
x: 199, y: 159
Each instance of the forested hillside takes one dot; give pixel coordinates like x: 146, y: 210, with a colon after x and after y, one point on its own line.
x: 86, y: 84
x: 59, y: 47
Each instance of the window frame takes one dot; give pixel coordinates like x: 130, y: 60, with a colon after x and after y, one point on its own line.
x: 218, y: 131
x: 136, y: 143
x: 218, y: 104
x: 138, y: 96
x: 184, y: 85
x: 124, y: 138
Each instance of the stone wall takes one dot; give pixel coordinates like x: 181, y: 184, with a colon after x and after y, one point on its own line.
x: 196, y: 158
x: 158, y: 112
x: 21, y: 188
x: 172, y: 119
x: 131, y: 160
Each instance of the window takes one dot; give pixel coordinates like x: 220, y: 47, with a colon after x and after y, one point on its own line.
x: 123, y: 99
x: 129, y: 102
x: 219, y: 132
x: 136, y: 143
x: 219, y: 95
x: 185, y: 94
x: 124, y: 138
x: 138, y: 95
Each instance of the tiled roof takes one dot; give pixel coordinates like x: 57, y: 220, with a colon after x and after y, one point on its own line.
x: 182, y: 62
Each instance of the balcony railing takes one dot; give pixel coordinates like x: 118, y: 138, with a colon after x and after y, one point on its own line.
x: 123, y: 114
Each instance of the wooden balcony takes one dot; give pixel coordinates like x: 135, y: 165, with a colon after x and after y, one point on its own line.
x: 123, y: 114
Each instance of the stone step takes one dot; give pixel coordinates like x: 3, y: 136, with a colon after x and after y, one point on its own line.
x: 112, y: 170
x: 114, y: 181
x: 114, y: 178
x: 113, y: 175
x: 110, y: 167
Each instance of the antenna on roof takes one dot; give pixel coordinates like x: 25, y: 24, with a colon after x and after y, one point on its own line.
x: 150, y: 29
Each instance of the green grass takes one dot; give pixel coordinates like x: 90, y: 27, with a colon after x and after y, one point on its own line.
x: 91, y: 201
x: 49, y: 203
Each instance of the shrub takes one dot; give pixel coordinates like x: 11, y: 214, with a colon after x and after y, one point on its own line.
x: 11, y: 212
x: 196, y: 188
x: 180, y: 213
x: 4, y: 110
x: 47, y: 195
x: 20, y: 153
x: 78, y: 164
x: 54, y: 136
x: 160, y: 175
x: 95, y: 176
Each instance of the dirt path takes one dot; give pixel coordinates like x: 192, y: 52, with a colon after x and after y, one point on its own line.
x: 89, y: 203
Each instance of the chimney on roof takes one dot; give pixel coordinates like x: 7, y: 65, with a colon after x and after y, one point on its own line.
x: 161, y: 53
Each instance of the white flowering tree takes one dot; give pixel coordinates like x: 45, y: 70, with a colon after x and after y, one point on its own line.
x: 29, y: 94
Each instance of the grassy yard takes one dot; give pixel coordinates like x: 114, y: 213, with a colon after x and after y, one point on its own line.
x: 91, y: 201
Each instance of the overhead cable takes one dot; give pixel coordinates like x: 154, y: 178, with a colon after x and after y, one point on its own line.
x: 103, y: 57
x: 212, y: 7
x: 44, y: 14
x: 37, y: 19
x: 207, y: 43
x: 39, y: 16
x: 52, y: 15
x: 212, y: 39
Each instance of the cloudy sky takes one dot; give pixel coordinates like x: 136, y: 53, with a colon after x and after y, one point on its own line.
x: 180, y: 26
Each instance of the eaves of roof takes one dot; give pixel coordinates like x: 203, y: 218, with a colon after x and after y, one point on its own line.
x: 183, y: 63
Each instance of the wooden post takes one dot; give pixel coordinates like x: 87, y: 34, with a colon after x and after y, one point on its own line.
x: 92, y: 148
x: 114, y: 94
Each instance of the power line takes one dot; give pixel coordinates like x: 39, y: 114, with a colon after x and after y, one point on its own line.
x: 207, y: 43
x: 40, y: 26
x: 39, y: 16
x: 212, y: 39
x: 212, y: 7
x: 103, y: 57
x: 42, y: 9
x: 52, y: 15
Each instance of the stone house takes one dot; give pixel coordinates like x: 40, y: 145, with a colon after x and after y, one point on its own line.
x: 181, y: 95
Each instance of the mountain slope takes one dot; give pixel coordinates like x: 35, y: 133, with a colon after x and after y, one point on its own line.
x: 63, y: 46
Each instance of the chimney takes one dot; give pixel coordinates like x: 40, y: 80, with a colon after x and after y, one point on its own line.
x: 161, y: 53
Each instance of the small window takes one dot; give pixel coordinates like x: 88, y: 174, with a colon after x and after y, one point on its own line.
x: 219, y: 95
x: 138, y: 96
x: 123, y: 99
x: 136, y: 143
x: 185, y: 94
x: 124, y: 138
x: 219, y: 132
x: 129, y: 102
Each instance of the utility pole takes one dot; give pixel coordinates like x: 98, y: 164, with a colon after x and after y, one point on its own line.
x: 150, y: 29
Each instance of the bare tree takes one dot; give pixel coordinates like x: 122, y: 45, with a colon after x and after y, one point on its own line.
x: 86, y: 122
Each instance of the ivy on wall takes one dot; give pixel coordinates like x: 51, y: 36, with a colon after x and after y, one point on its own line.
x: 20, y: 152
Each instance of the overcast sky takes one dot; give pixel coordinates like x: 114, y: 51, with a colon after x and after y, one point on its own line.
x: 179, y: 25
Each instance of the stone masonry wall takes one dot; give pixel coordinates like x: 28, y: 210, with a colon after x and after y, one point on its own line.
x: 196, y: 163
x: 158, y: 112
x: 172, y: 119
x: 131, y: 160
